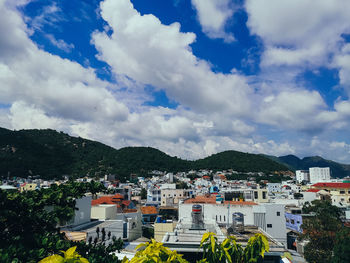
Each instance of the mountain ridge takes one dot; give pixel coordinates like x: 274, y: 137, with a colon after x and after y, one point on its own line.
x: 52, y: 154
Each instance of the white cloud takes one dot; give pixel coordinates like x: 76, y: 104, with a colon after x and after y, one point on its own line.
x: 294, y: 109
x: 213, y: 16
x: 164, y: 60
x: 298, y: 32
x: 60, y: 43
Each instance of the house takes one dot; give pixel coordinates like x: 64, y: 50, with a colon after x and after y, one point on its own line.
x: 339, y: 192
x: 149, y: 214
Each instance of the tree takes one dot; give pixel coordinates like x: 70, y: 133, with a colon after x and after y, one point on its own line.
x: 29, y: 225
x: 320, y: 230
x: 341, y: 251
x: 143, y: 193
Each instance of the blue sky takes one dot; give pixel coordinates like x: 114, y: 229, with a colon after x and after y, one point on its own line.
x: 190, y: 78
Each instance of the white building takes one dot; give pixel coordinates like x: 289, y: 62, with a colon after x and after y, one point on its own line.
x: 302, y: 175
x: 274, y: 187
x: 318, y: 174
x: 270, y: 218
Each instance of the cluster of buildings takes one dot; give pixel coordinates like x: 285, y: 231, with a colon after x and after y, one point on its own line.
x: 177, y: 209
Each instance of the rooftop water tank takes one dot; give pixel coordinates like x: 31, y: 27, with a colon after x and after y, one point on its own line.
x: 197, y: 217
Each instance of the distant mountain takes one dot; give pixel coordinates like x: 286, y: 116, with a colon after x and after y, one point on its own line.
x: 51, y: 154
x: 239, y: 161
x: 295, y: 163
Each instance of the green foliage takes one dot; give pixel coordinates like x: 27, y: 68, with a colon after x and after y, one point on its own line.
x: 52, y: 154
x: 155, y: 252
x: 230, y: 251
x: 321, y: 230
x: 148, y: 232
x: 341, y: 251
x: 181, y: 185
x: 69, y: 256
x: 29, y: 224
x: 143, y: 193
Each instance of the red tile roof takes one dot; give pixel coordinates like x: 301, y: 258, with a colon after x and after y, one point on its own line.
x: 111, y: 200
x: 332, y: 185
x: 202, y: 199
x: 126, y: 202
x: 148, y: 210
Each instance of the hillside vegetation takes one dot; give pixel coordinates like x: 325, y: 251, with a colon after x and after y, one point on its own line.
x: 51, y: 154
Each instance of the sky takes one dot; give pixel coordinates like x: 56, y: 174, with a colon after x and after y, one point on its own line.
x: 189, y: 77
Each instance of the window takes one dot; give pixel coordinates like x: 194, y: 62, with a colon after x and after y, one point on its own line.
x: 220, y: 218
x: 163, y: 195
x: 292, y: 221
x: 224, y: 218
x: 180, y: 195
x: 264, y: 195
x: 216, y: 217
x: 174, y: 194
x: 278, y: 213
x: 255, y: 195
x: 269, y: 225
x: 342, y: 192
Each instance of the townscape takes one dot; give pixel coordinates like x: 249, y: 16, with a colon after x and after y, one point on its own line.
x: 185, y: 131
x: 176, y: 209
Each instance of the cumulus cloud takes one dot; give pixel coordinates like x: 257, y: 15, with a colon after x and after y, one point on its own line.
x: 213, y: 15
x: 298, y: 32
x: 164, y: 60
x: 215, y: 111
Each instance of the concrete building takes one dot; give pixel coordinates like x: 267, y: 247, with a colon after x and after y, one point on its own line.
x: 83, y: 212
x: 221, y: 213
x: 162, y: 228
x: 339, y: 192
x: 274, y: 188
x: 318, y: 174
x: 270, y: 218
x: 302, y: 175
x: 104, y: 212
x: 170, y: 197
x: 154, y: 195
x: 126, y: 226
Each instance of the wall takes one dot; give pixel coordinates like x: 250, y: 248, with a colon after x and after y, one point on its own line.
x: 219, y: 212
x: 294, y: 222
x: 160, y: 229
x: 103, y: 212
x: 83, y: 214
x: 174, y: 194
x: 273, y: 215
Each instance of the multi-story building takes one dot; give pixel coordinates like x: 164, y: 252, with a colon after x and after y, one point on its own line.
x: 319, y: 174
x: 302, y: 175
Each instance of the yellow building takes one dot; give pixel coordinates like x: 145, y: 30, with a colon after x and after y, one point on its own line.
x: 340, y: 192
x: 28, y: 187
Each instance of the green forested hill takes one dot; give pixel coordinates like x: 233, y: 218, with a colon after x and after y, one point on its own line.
x: 51, y: 154
x: 239, y: 161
